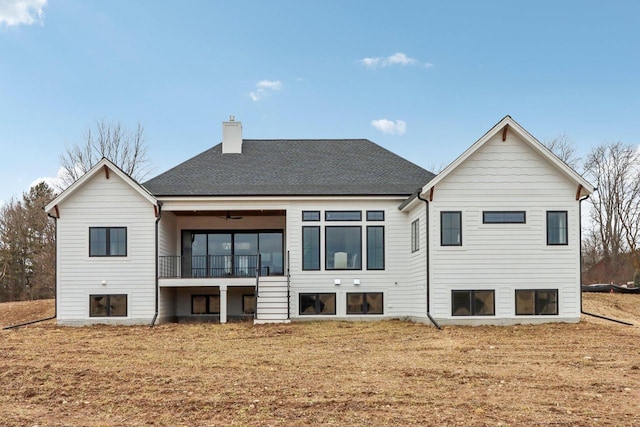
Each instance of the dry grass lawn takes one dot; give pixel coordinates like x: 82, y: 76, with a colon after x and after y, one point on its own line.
x: 331, y: 373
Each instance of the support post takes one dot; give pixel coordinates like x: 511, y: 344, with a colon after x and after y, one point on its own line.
x: 223, y: 304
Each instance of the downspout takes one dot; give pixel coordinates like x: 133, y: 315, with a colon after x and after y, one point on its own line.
x: 581, y: 309
x: 55, y: 285
x: 155, y: 315
x: 426, y: 202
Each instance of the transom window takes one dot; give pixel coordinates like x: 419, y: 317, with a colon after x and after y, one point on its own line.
x: 114, y: 305
x: 311, y: 215
x: 557, y: 230
x: 504, y: 217
x: 343, y: 216
x: 473, y: 303
x: 365, y: 303
x: 375, y: 215
x: 536, y: 302
x: 451, y: 228
x: 107, y: 241
x: 317, y: 304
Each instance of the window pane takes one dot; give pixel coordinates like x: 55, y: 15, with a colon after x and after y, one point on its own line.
x: 326, y: 303
x: 483, y: 303
x: 97, y: 242
x: 547, y: 302
x: 248, y: 304
x: 343, y: 215
x: 374, y: 303
x: 219, y: 254
x: 506, y: 217
x: 118, y: 306
x: 214, y: 304
x: 118, y: 241
x: 375, y: 248
x: 98, y: 306
x: 415, y: 235
x: 375, y: 215
x: 311, y: 248
x: 343, y: 248
x: 198, y: 304
x: 451, y: 228
x: 460, y: 303
x: 557, y: 228
x: 355, y: 303
x: 311, y: 215
x: 245, y: 244
x: 199, y: 255
x: 307, y: 304
x: 270, y: 245
x: 525, y: 302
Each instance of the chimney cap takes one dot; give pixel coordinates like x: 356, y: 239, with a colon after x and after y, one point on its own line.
x: 232, y: 118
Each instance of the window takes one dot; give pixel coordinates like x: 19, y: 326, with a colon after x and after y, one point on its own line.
x: 343, y: 248
x: 504, y: 217
x: 317, y: 304
x: 232, y: 254
x: 311, y: 215
x: 451, y: 228
x: 557, y: 228
x: 415, y: 235
x: 375, y: 247
x: 108, y: 305
x: 311, y: 248
x: 205, y: 304
x: 473, y: 303
x: 343, y: 216
x: 365, y: 303
x: 375, y: 215
x: 107, y: 241
x: 536, y: 302
x: 248, y: 304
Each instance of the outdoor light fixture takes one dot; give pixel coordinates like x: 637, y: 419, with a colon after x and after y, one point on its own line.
x: 336, y: 281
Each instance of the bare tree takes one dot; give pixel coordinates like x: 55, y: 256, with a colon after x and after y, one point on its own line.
x: 564, y: 148
x: 615, y: 169
x: 128, y: 150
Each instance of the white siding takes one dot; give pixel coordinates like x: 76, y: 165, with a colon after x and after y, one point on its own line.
x: 500, y: 176
x: 403, y: 295
x: 103, y: 202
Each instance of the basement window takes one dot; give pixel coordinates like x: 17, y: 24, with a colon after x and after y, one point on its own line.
x: 365, y: 303
x: 473, y: 303
x: 114, y: 305
x: 536, y: 302
x: 205, y: 304
x: 317, y: 304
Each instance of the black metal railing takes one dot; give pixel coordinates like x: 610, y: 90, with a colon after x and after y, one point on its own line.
x: 210, y: 266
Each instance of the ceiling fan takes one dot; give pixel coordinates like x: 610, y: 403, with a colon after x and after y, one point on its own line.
x: 230, y: 216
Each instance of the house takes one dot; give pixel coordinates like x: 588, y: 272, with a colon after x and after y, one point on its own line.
x: 281, y: 230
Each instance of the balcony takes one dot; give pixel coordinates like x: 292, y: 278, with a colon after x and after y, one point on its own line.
x: 212, y: 266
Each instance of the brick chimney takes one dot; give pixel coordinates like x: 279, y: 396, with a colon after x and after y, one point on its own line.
x: 231, y: 136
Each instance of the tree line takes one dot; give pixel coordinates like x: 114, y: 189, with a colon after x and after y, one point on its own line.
x: 27, y: 234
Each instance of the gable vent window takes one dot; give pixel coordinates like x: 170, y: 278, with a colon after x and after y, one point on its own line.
x: 504, y: 217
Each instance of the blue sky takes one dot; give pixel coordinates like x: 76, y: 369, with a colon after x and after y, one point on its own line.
x: 424, y: 79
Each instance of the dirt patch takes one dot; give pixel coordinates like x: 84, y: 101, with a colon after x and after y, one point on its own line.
x: 326, y: 373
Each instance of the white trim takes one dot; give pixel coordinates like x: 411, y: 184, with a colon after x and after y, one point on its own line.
x: 587, y: 188
x: 90, y: 174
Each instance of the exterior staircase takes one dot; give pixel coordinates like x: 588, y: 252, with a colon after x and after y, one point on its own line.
x: 272, y: 304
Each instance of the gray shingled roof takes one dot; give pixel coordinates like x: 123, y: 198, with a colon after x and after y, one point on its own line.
x: 293, y: 167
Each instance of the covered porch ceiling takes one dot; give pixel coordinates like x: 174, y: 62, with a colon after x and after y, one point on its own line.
x: 231, y: 214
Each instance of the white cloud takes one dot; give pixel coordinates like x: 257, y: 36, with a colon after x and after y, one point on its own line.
x: 21, y: 12
x: 55, y: 182
x: 397, y: 58
x: 399, y: 127
x: 264, y: 88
